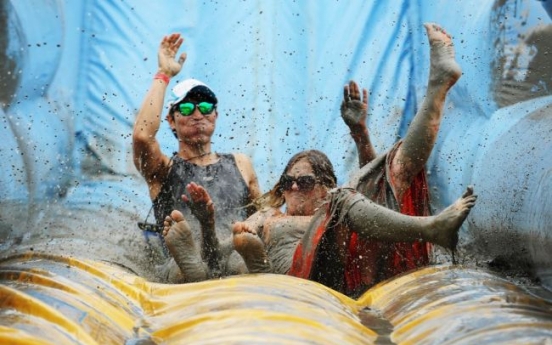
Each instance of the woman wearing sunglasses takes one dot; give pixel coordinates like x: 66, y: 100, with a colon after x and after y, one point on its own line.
x: 178, y: 182
x: 396, y: 179
x: 311, y: 237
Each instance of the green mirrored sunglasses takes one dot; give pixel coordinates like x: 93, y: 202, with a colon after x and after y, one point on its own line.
x: 187, y: 108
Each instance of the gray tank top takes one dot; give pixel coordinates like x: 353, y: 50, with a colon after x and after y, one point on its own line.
x: 225, y: 185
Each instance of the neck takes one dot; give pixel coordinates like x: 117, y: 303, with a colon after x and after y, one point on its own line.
x: 189, y: 152
x: 206, y: 154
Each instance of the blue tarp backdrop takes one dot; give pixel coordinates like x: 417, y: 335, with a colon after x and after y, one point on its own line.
x: 73, y: 74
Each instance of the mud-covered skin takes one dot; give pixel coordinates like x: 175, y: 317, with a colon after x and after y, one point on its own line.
x: 212, y: 259
x: 178, y: 237
x: 251, y: 247
x: 354, y: 111
x: 421, y: 136
x: 229, y: 178
x: 282, y: 233
x: 209, y: 207
x: 224, y: 183
x: 397, y: 179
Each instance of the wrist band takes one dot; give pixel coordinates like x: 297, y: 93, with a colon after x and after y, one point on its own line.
x: 163, y: 77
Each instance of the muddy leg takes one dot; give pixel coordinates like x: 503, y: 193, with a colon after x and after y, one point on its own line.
x: 248, y: 244
x: 447, y: 222
x: 422, y: 133
x: 178, y: 238
x: 444, y: 70
x: 376, y: 222
x: 203, y: 209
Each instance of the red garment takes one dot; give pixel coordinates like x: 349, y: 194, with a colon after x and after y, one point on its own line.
x: 306, y: 250
x: 369, y: 262
x: 389, y: 259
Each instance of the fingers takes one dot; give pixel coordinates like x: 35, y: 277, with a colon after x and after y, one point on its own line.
x: 182, y: 58
x: 346, y: 93
x: 172, y: 43
x: 172, y: 39
x: 198, y: 193
x: 351, y: 92
x: 365, y: 96
x: 194, y: 190
x: 355, y: 94
x: 354, y: 88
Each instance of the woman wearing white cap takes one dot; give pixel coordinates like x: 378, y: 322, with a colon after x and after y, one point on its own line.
x: 228, y: 180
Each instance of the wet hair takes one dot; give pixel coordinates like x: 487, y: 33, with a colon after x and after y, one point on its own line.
x: 321, y: 166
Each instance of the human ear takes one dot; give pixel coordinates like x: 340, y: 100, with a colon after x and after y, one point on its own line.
x: 170, y: 120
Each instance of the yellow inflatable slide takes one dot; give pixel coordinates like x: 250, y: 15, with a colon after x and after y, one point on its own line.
x: 62, y: 300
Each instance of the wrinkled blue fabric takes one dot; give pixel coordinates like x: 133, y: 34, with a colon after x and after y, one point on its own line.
x: 75, y: 72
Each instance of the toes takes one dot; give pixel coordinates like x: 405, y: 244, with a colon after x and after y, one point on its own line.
x: 237, y: 228
x: 468, y: 192
x: 176, y: 216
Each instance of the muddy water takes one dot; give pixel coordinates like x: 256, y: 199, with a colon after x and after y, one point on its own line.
x: 101, y: 232
x: 92, y: 280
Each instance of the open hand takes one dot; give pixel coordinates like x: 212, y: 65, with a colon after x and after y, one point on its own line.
x: 200, y: 203
x: 354, y: 108
x: 166, y: 55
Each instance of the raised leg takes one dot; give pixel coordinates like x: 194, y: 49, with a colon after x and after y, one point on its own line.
x: 203, y: 209
x: 372, y: 221
x: 420, y: 138
x: 252, y: 249
x: 178, y: 238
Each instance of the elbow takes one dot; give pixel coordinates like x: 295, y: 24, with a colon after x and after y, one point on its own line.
x: 140, y: 136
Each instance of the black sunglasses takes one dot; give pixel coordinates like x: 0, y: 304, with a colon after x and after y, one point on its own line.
x: 305, y: 183
x: 187, y: 108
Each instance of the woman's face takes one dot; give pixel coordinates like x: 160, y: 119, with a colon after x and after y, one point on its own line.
x: 303, y: 201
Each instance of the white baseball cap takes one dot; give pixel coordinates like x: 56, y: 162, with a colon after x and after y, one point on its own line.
x: 193, y: 88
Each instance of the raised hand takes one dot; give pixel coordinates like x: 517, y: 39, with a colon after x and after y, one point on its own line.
x: 354, y: 111
x: 167, y: 55
x: 354, y: 108
x: 200, y: 203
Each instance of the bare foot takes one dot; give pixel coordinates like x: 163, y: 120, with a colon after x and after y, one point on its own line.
x: 444, y: 69
x: 252, y: 249
x: 448, y: 222
x: 178, y: 237
x: 203, y: 209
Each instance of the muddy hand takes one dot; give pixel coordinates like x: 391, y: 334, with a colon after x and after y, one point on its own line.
x: 354, y: 108
x: 200, y: 203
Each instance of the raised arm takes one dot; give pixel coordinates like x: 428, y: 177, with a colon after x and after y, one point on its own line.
x: 354, y: 110
x: 148, y: 158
